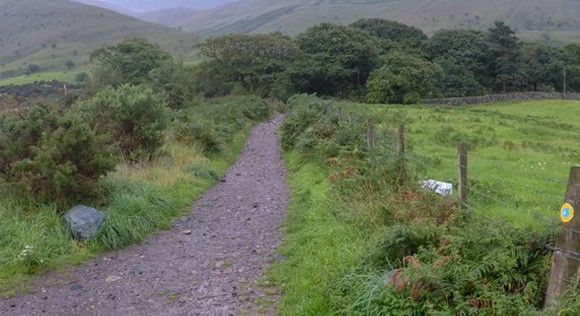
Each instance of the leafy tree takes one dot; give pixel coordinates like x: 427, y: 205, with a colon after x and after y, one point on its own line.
x: 127, y: 62
x: 403, y: 79
x: 392, y: 30
x: 543, y: 66
x: 458, y: 81
x: 251, y: 62
x: 338, y: 60
x: 468, y: 49
x: 175, y: 81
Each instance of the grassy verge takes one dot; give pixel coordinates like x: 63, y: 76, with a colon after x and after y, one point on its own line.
x: 361, y: 240
x: 140, y: 199
x: 319, y: 246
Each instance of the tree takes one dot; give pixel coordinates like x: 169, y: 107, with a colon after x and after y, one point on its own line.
x: 543, y: 66
x: 458, y: 81
x: 32, y: 68
x: 392, y: 30
x: 505, y: 56
x: 403, y: 78
x: 572, y: 64
x: 127, y: 62
x: 251, y: 62
x: 338, y: 60
x: 70, y: 64
x: 467, y: 49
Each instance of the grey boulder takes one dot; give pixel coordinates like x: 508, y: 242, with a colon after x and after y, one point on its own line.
x: 83, y: 221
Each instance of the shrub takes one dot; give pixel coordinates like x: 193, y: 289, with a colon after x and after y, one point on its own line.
x: 215, y: 122
x: 134, y: 115
x: 53, y: 155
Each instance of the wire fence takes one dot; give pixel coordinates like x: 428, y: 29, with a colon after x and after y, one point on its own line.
x: 522, y: 205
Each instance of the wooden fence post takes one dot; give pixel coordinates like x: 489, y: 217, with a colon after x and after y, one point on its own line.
x: 370, y: 134
x: 565, y: 265
x: 401, y: 154
x: 350, y: 118
x: 462, y: 168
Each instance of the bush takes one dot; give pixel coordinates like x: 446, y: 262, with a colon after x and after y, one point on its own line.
x: 214, y: 123
x: 135, y: 116
x: 53, y: 155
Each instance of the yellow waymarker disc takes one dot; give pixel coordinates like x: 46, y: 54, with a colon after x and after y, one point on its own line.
x: 566, y: 212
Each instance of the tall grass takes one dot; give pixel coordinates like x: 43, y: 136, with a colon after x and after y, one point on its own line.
x: 406, y: 250
x: 319, y: 246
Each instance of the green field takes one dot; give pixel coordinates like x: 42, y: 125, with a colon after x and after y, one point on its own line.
x: 519, y: 158
x: 346, y: 235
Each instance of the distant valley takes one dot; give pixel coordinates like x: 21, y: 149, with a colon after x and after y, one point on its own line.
x: 538, y: 20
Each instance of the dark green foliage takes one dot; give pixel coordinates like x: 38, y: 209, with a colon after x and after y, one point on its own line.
x: 338, y: 60
x: 505, y: 57
x: 392, y: 30
x: 135, y: 116
x: 213, y: 124
x: 175, y: 81
x: 251, y: 63
x: 458, y: 81
x: 127, y: 62
x: 53, y: 155
x: 403, y: 79
x: 32, y: 68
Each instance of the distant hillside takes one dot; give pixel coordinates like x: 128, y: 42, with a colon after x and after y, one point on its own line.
x: 49, y: 34
x: 154, y: 5
x: 554, y: 20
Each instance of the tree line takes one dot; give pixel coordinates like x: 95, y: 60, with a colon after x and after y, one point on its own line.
x: 384, y: 61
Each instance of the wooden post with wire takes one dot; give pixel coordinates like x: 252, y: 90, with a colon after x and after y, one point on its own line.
x: 370, y: 134
x: 401, y: 154
x: 462, y: 173
x: 566, y: 259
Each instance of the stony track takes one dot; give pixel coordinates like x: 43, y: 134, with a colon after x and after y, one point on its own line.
x: 208, y: 263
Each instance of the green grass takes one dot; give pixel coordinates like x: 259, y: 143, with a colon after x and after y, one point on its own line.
x: 65, y: 76
x: 142, y: 199
x: 344, y: 236
x: 319, y: 246
x: 520, y: 156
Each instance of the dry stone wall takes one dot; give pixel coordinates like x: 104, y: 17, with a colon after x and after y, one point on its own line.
x: 518, y: 96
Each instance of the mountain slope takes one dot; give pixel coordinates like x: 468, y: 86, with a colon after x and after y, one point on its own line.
x: 51, y: 33
x: 153, y: 5
x: 534, y: 19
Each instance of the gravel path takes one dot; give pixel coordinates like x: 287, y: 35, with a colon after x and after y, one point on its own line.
x: 207, y: 264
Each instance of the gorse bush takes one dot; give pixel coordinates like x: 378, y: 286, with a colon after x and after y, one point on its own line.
x: 134, y: 116
x: 212, y: 124
x: 53, y: 154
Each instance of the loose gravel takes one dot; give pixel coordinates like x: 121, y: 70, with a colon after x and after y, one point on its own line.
x: 209, y: 263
